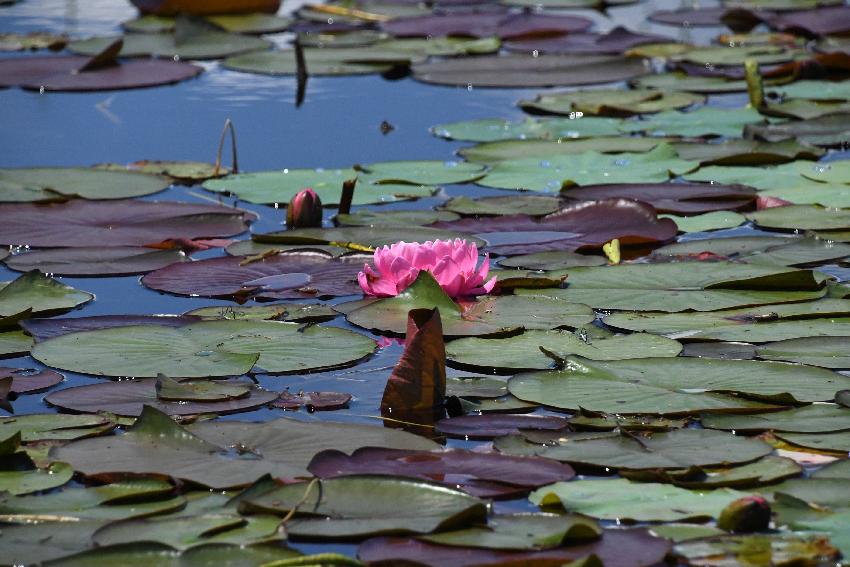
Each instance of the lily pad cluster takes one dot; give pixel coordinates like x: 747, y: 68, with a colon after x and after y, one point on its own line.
x: 668, y: 334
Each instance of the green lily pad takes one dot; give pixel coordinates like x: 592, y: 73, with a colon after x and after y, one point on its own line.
x: 365, y: 217
x: 780, y: 176
x: 282, y: 448
x: 746, y: 152
x: 344, y: 508
x: 218, y: 527
x: 781, y: 549
x: 814, y: 90
x: 610, y: 102
x: 726, y: 55
x: 489, y: 315
x: 19, y: 482
x: 829, y: 352
x: 555, y: 260
x: 494, y: 152
x: 221, y: 555
x: 60, y: 183
x: 802, y: 217
x: 684, y: 286
x: 838, y: 442
x: 198, y: 42
x: 823, y: 194
x: 209, y: 348
x: 15, y: 342
x: 677, y: 449
x: 715, y: 220
x: 684, y: 532
x: 830, y: 130
x: 180, y: 170
x: 55, y: 426
x: 233, y: 23
x: 767, y: 470
x: 294, y: 312
x: 620, y: 499
x: 815, y: 418
x: 252, y: 248
x: 824, y: 318
x: 556, y: 172
x: 114, y: 501
x: 768, y: 250
x: 836, y: 525
x: 522, y: 531
x: 377, y: 57
x: 36, y: 293
x: 536, y: 205
x: 525, y: 351
x: 377, y: 182
x: 689, y: 83
x: 493, y: 129
x: 831, y: 172
x: 704, y: 121
x: 802, y: 109
x: 676, y: 386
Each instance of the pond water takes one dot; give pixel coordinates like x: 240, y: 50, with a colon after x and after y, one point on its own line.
x: 338, y: 125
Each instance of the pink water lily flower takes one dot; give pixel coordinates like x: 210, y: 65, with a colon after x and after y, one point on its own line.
x: 453, y: 263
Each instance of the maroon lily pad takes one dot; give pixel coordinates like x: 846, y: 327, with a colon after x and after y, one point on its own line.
x: 677, y: 198
x: 487, y: 475
x: 706, y: 17
x: 489, y: 426
x: 579, y: 226
x: 43, y: 329
x: 227, y: 277
x: 115, y: 223
x: 127, y: 398
x: 62, y: 73
x: 821, y: 21
x: 525, y: 71
x: 315, y: 401
x: 617, y: 548
x: 616, y: 41
x: 477, y: 24
x: 95, y: 261
x: 29, y: 381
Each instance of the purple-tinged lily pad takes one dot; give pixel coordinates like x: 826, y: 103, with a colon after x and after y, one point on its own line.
x: 833, y: 20
x: 95, y: 261
x: 677, y: 198
x: 617, y: 548
x: 486, y: 475
x: 228, y: 277
x: 115, y: 223
x: 493, y: 425
x: 65, y: 73
x: 616, y: 41
x: 478, y: 24
x: 29, y: 381
x: 572, y: 228
x: 127, y: 398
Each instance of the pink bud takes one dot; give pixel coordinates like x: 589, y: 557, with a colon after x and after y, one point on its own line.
x: 304, y: 210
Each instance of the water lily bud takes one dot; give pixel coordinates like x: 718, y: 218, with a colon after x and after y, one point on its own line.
x: 748, y: 514
x: 304, y: 210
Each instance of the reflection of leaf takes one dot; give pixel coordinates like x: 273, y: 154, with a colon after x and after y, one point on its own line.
x: 417, y: 386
